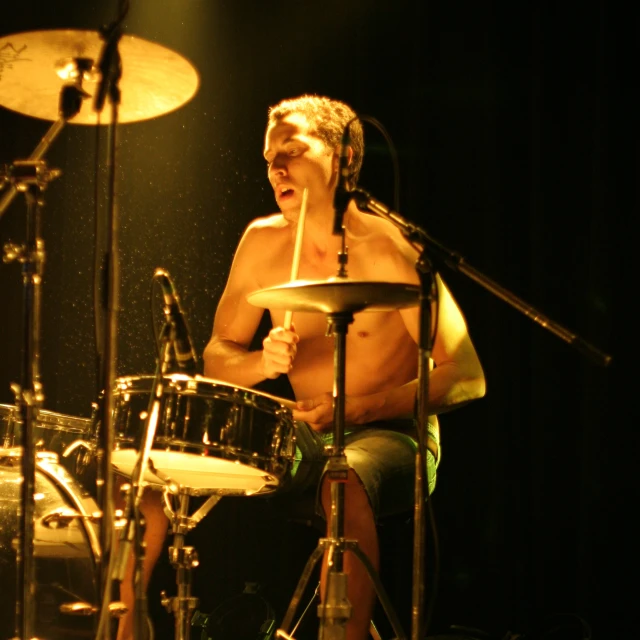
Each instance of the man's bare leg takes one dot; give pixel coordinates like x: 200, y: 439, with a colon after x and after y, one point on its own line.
x: 359, y: 525
x: 155, y: 531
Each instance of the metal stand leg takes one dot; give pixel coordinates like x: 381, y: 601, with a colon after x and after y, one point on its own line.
x: 184, y: 559
x: 373, y: 631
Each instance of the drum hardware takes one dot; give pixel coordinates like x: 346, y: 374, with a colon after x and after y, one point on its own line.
x: 339, y: 298
x: 63, y: 517
x: 43, y: 60
x: 86, y: 453
x: 424, y: 243
x: 31, y: 178
x: 35, y: 64
x: 183, y: 558
x: 116, y: 609
x: 131, y: 533
x: 373, y: 630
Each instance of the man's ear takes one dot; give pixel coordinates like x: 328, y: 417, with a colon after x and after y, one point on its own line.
x: 336, y: 156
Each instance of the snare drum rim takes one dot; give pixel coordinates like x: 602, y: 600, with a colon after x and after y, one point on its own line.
x: 206, y: 388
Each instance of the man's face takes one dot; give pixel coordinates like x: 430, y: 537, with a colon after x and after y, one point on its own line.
x: 297, y: 159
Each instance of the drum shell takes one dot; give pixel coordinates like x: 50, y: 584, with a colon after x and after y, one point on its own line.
x: 208, y: 419
x: 65, y: 549
x: 52, y: 432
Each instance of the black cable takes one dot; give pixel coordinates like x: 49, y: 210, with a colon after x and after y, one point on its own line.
x: 98, y: 285
x: 394, y: 157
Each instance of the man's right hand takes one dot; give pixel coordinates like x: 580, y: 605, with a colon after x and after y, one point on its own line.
x: 278, y: 351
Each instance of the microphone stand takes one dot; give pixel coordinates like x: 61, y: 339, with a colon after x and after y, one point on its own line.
x: 31, y: 178
x: 453, y: 260
x: 132, y: 530
x: 419, y: 238
x: 110, y: 66
x: 425, y: 347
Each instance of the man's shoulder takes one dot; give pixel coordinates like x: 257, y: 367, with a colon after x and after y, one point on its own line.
x: 381, y: 234
x: 394, y: 256
x: 264, y: 231
x: 267, y: 224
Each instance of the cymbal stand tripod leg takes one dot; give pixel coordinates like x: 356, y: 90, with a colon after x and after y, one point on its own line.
x: 334, y: 612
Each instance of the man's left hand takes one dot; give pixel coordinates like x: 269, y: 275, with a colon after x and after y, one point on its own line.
x: 318, y: 411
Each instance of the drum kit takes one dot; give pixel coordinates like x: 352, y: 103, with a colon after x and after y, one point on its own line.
x: 184, y: 433
x: 181, y: 432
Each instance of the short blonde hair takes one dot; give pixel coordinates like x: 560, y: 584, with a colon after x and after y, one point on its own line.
x: 328, y: 119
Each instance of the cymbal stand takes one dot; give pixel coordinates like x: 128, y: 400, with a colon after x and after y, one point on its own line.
x: 335, y: 610
x: 31, y: 178
x: 71, y: 96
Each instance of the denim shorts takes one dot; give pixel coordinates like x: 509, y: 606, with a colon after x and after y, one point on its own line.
x: 382, y: 454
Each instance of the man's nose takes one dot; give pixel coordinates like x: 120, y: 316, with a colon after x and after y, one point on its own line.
x: 279, y: 165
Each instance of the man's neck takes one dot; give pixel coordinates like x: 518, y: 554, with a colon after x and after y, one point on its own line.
x: 318, y: 232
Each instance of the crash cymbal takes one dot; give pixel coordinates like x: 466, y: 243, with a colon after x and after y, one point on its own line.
x: 336, y: 295
x: 35, y: 65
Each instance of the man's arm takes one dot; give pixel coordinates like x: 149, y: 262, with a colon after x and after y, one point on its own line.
x: 227, y: 356
x: 457, y: 377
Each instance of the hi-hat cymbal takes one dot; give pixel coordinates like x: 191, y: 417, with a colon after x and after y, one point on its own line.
x: 336, y: 295
x: 35, y: 65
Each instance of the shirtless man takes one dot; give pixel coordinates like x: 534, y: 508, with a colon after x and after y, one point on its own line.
x: 302, y: 146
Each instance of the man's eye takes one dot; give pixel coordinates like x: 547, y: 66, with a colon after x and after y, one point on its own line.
x: 294, y: 151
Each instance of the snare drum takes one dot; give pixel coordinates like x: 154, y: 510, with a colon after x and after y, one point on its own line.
x: 209, y: 437
x: 65, y: 548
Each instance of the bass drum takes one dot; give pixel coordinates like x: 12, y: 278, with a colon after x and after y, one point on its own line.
x: 66, y: 548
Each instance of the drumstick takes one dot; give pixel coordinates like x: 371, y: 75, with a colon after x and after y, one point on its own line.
x: 296, y: 254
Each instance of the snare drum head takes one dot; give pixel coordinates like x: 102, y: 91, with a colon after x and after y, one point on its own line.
x: 209, y: 436
x: 65, y: 549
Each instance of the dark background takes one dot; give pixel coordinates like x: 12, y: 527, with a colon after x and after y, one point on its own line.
x: 515, y: 129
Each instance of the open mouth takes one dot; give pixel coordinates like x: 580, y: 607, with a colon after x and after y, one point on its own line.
x: 284, y: 192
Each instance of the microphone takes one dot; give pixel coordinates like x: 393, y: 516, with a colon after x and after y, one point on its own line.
x: 342, y: 195
x: 184, y: 351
